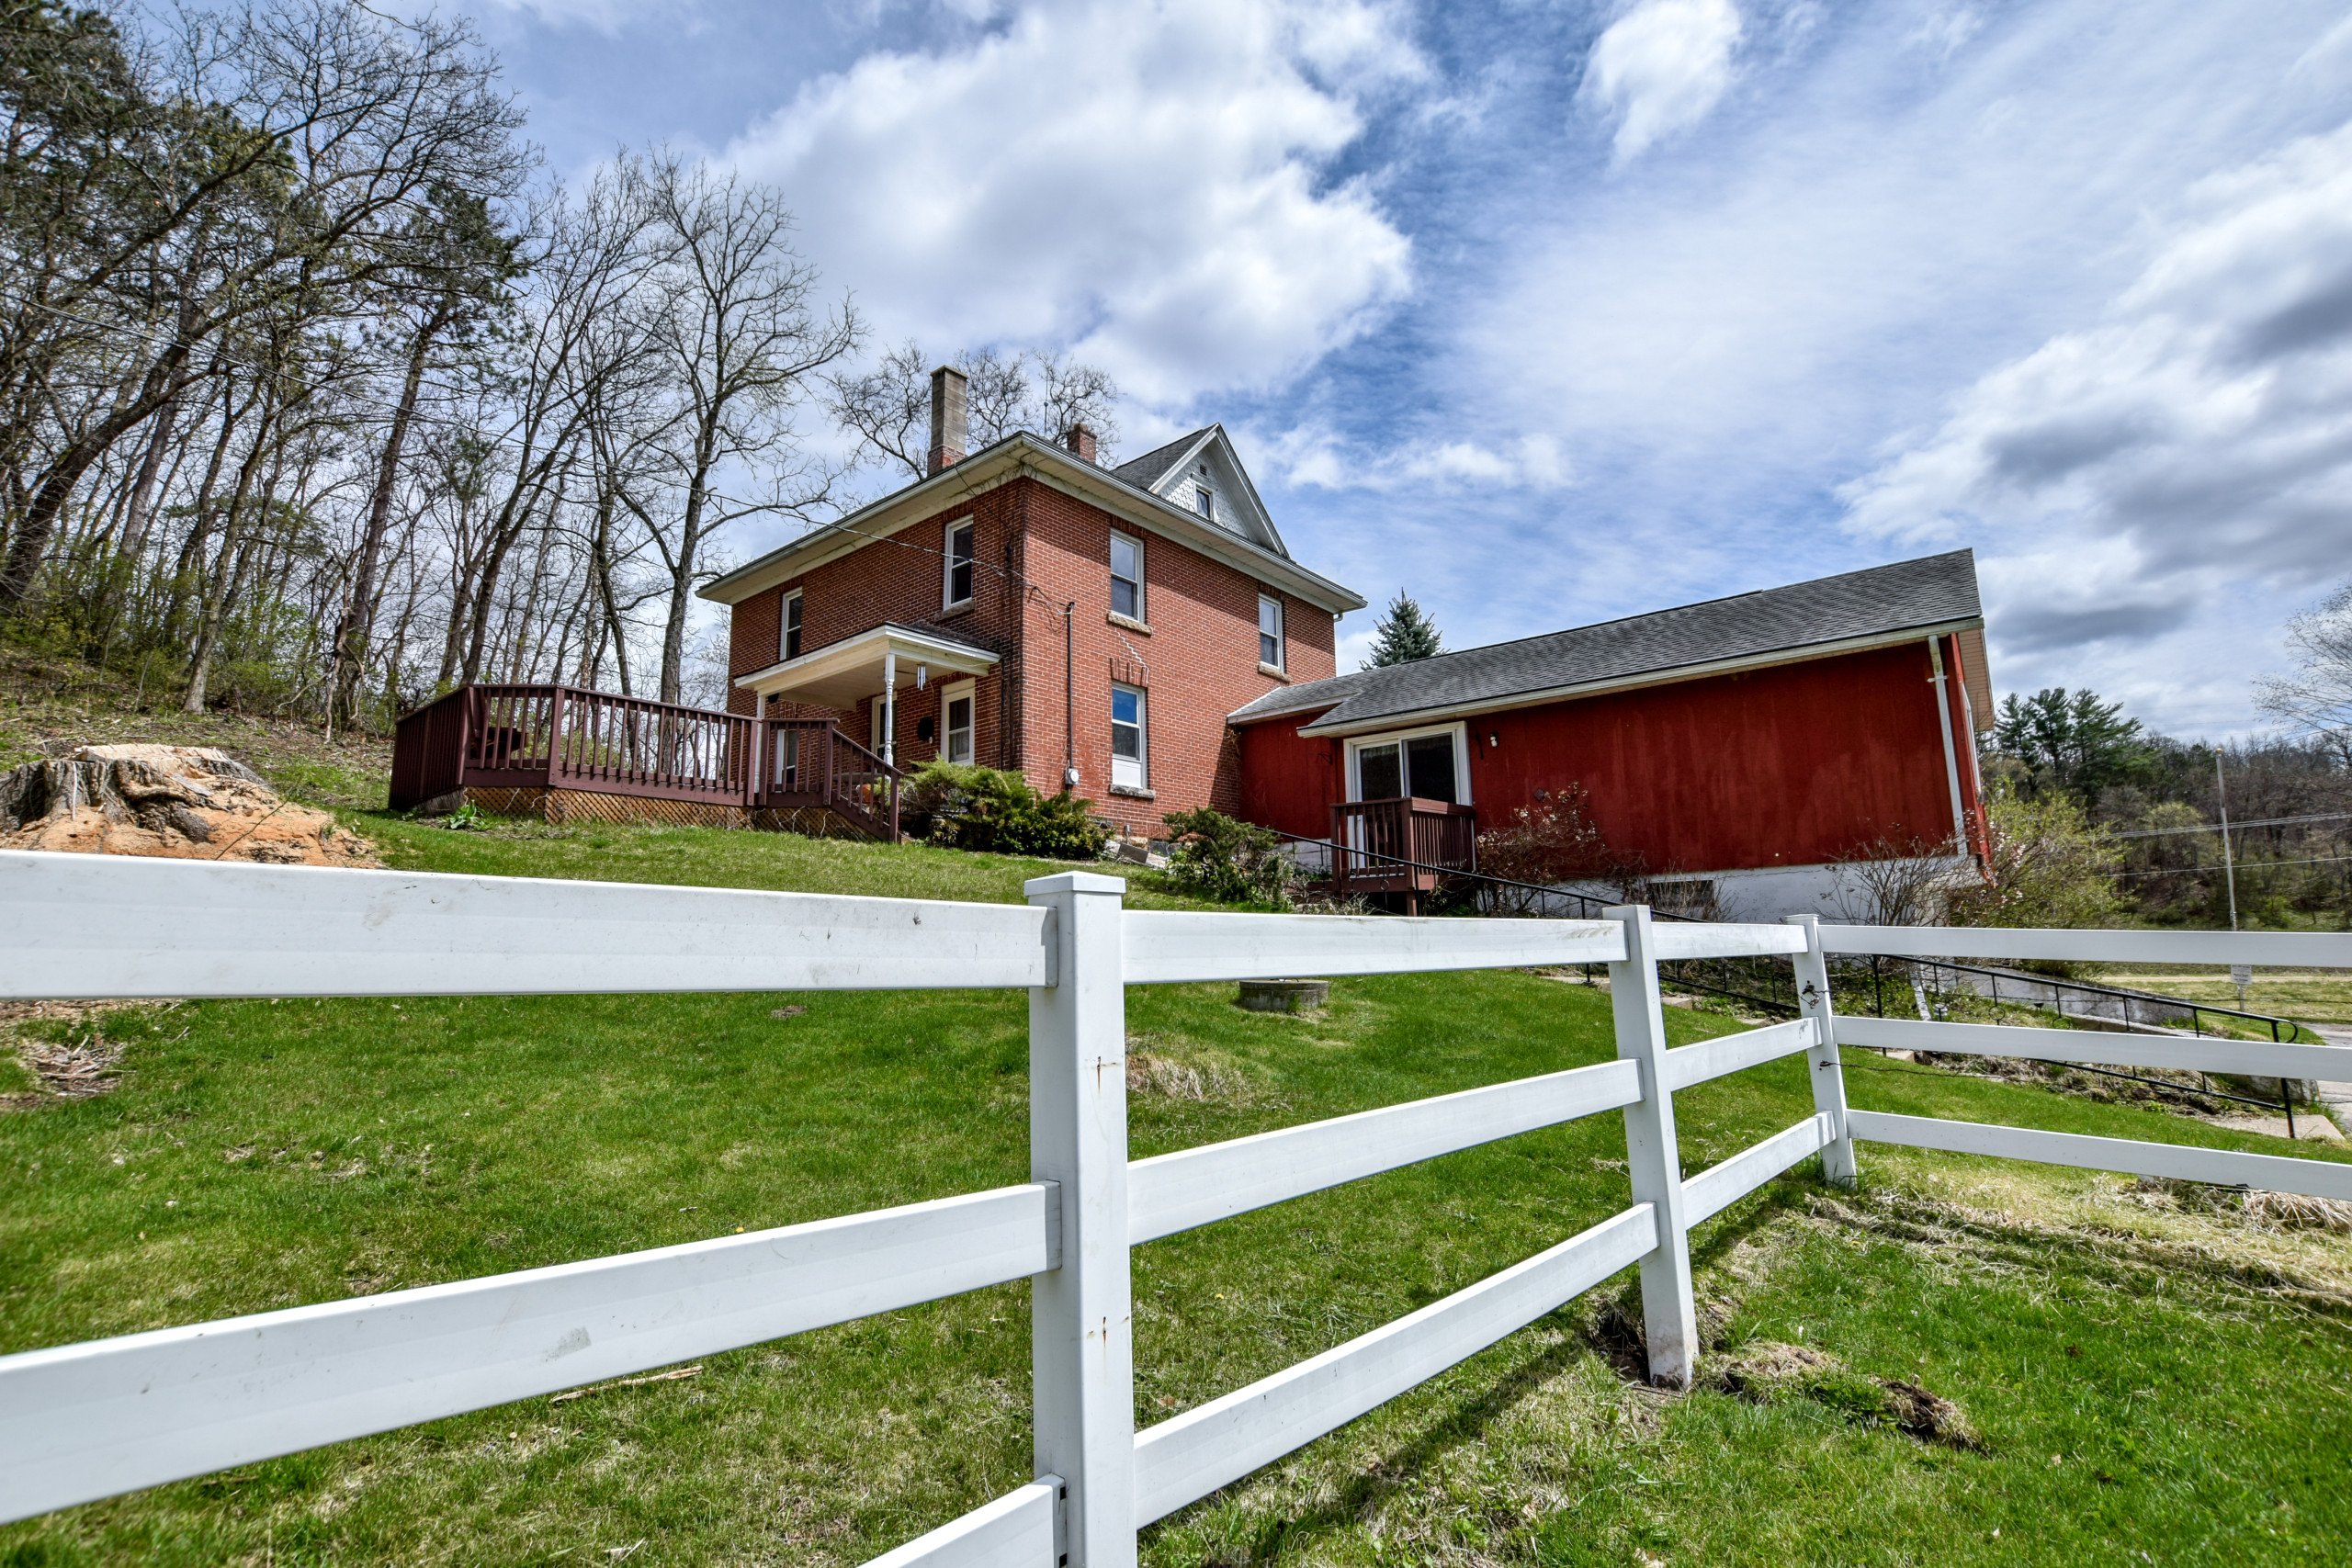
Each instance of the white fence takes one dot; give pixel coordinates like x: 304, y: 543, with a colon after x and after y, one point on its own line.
x: 79, y: 1422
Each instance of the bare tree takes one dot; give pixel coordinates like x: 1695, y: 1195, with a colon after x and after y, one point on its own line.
x: 743, y: 338
x: 446, y: 290
x: 322, y: 124
x: 2318, y: 695
x: 887, y: 406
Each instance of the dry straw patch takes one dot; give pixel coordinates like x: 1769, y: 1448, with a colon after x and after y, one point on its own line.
x: 62, y: 1051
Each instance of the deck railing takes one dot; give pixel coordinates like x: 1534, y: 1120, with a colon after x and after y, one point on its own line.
x: 567, y: 737
x: 84, y: 1421
x: 811, y: 762
x: 1401, y: 845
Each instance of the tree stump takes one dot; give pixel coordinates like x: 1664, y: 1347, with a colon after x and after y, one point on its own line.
x: 179, y: 802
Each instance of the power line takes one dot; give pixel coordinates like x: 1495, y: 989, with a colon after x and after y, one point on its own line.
x: 2236, y: 827
x: 2241, y: 865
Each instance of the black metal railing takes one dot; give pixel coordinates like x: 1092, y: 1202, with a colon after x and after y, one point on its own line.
x: 1770, y: 987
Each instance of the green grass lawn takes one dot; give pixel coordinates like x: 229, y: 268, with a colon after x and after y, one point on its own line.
x: 2144, y: 1378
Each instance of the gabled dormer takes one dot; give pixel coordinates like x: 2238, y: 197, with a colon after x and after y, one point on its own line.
x: 1200, y: 473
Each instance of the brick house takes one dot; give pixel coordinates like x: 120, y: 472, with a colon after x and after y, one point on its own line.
x: 1027, y: 608
x: 1141, y: 635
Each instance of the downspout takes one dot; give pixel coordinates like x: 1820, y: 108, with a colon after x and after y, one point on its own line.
x: 1951, y: 759
x: 1069, y: 696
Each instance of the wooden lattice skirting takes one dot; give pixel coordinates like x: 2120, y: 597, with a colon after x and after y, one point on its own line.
x: 590, y: 806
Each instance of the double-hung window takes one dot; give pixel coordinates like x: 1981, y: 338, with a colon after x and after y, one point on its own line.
x: 961, y: 553
x: 1204, y: 495
x: 956, y: 744
x: 1126, y: 577
x: 1128, y: 747
x: 788, y: 631
x: 1269, y: 632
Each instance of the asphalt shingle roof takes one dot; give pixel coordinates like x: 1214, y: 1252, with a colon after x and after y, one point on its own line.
x: 1878, y: 601
x: 1151, y: 468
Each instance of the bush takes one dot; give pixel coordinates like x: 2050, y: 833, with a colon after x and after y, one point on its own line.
x: 1232, y: 862
x: 2051, y: 867
x: 959, y: 806
x: 1554, y: 841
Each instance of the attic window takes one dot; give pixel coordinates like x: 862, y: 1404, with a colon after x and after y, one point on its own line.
x: 1204, y: 496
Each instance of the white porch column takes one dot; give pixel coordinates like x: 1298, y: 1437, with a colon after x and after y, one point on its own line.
x: 890, y: 707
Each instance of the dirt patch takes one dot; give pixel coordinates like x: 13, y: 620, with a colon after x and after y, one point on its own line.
x: 1768, y: 1370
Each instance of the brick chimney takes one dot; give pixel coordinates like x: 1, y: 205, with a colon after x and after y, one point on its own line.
x: 1080, y: 440
x: 948, y: 431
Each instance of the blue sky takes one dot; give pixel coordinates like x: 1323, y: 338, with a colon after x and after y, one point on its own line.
x: 1554, y: 312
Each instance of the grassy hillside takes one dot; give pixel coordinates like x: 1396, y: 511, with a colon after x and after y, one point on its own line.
x: 2141, y: 1372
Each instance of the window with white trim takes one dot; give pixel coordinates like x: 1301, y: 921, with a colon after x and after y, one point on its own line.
x: 1269, y: 631
x: 1429, y: 764
x: 1204, y: 493
x: 787, y: 628
x: 1126, y: 577
x: 961, y: 555
x: 1129, y: 746
x: 957, y: 727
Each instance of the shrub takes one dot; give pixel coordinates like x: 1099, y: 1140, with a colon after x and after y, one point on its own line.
x: 2051, y: 867
x: 1232, y: 862
x: 1555, y: 839
x: 959, y: 806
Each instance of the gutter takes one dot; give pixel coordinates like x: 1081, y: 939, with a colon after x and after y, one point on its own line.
x: 1009, y: 459
x: 1375, y: 723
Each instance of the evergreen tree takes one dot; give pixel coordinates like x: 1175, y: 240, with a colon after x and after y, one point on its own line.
x: 1405, y: 634
x: 2073, y: 742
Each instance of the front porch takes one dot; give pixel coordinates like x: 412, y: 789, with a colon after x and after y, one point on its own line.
x: 868, y: 672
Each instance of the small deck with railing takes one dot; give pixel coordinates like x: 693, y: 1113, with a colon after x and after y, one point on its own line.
x: 522, y: 743
x: 1403, y: 846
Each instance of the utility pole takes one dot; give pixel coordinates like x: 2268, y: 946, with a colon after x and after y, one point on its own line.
x: 2229, y: 862
x: 2241, y: 974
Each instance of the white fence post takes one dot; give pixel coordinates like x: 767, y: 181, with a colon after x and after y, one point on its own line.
x: 1669, y: 1317
x: 1082, y: 1328
x: 1828, y: 1075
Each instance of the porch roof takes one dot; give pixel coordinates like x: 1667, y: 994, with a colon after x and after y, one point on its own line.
x: 838, y: 674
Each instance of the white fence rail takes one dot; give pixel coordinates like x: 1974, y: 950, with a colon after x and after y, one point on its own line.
x: 84, y: 1421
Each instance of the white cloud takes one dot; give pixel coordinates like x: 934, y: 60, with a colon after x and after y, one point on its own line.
x: 1661, y: 67
x: 1149, y: 184
x: 606, y: 16
x: 2178, y: 471
x: 1316, y: 457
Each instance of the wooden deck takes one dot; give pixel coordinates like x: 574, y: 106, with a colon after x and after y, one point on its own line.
x: 514, y: 742
x: 1403, y: 846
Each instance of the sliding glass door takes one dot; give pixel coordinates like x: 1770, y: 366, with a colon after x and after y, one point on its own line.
x: 1424, y: 766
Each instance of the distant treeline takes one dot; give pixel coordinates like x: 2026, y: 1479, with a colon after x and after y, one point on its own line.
x: 2290, y: 801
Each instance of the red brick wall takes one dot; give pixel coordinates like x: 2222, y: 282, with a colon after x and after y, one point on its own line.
x: 1197, y: 663
x: 1793, y: 765
x: 899, y: 578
